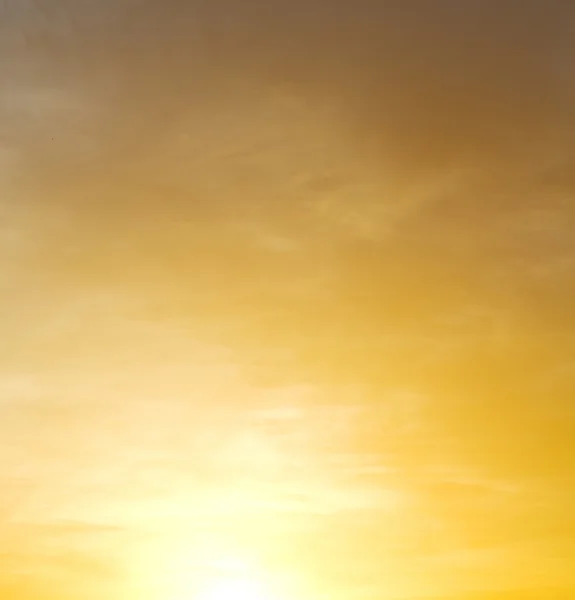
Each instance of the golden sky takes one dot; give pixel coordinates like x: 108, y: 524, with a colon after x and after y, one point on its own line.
x: 286, y: 305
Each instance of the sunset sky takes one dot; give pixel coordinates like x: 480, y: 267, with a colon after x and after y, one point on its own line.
x: 287, y: 304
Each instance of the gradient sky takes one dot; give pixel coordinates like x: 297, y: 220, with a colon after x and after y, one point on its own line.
x: 287, y: 295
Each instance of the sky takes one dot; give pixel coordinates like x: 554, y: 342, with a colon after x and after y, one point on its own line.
x: 286, y: 299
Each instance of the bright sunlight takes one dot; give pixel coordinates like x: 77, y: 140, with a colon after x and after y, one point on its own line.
x: 234, y: 588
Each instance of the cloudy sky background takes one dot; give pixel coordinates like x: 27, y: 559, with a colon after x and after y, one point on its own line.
x: 290, y: 283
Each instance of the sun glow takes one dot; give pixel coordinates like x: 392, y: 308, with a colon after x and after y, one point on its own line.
x: 212, y: 572
x: 224, y: 586
x: 234, y: 588
x: 231, y: 578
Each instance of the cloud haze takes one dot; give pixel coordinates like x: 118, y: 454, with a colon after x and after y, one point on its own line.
x: 288, y: 280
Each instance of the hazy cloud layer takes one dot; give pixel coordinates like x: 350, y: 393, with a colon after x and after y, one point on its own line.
x: 291, y: 279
